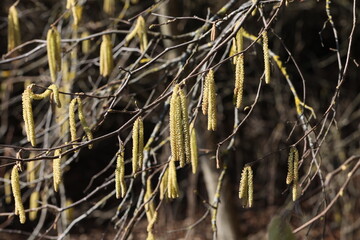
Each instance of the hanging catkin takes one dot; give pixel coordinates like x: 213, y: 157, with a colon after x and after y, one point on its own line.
x: 139, y: 31
x: 239, y: 68
x: 72, y: 120
x: 28, y: 115
x: 7, y: 187
x: 15, y: 185
x: 179, y: 127
x: 193, y: 148
x: 120, y: 185
x: 13, y: 28
x: 163, y: 184
x: 209, y: 100
x: 293, y: 171
x: 57, y: 169
x: 53, y: 43
x: 266, y: 56
x: 83, y: 122
x: 106, y: 56
x: 34, y: 203
x: 173, y: 189
x: 246, y: 186
x: 138, y: 144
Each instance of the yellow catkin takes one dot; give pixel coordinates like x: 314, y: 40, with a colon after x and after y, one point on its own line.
x: 69, y: 213
x: 109, y: 7
x: 163, y: 184
x: 179, y: 127
x: 139, y: 31
x: 120, y: 185
x: 296, y: 163
x: 85, y: 45
x: 173, y: 189
x: 106, y: 56
x: 138, y: 144
x: 150, y: 227
x: 239, y: 67
x: 15, y: 185
x: 13, y: 28
x: 34, y: 203
x: 53, y: 43
x: 185, y: 125
x: 174, y: 119
x: 246, y: 186
x: 266, y: 56
x: 194, y: 148
x: 72, y: 120
x: 205, y: 99
x: 83, y: 122
x: 7, y: 188
x: 31, y: 172
x: 290, y: 173
x: 28, y: 115
x: 57, y: 169
x: 149, y: 204
x: 52, y: 91
x: 212, y: 112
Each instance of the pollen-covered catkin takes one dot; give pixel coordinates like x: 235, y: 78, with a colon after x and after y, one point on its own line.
x: 246, y: 188
x: 53, y: 43
x: 173, y: 189
x: 212, y: 112
x: 28, y: 115
x: 120, y: 185
x: 7, y: 188
x: 194, y: 148
x: 266, y: 56
x: 139, y: 31
x: 13, y: 28
x: 34, y: 203
x: 179, y: 127
x: 83, y: 122
x: 15, y: 185
x: 290, y: 173
x: 72, y: 120
x: 85, y: 45
x: 149, y: 204
x: 163, y: 184
x: 106, y: 56
x: 239, y: 69
x: 57, y: 169
x: 138, y: 144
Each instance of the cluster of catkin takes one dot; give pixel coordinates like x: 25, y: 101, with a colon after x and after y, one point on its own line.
x: 141, y: 33
x: 179, y: 127
x: 209, y: 100
x: 106, y: 56
x: 246, y: 186
x: 27, y: 97
x: 53, y: 43
x: 293, y: 171
x: 168, y: 186
x: 14, y: 35
x: 72, y: 120
x: 76, y: 11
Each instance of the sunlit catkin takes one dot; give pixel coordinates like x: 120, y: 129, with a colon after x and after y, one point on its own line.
x: 293, y: 171
x: 179, y: 127
x: 28, y: 115
x: 149, y: 204
x: 290, y: 173
x: 85, y: 45
x: 72, y: 120
x: 163, y: 184
x: 120, y: 185
x: 106, y: 56
x: 246, y: 186
x: 83, y: 122
x: 193, y: 148
x: 212, y: 112
x: 57, y: 169
x: 7, y: 187
x: 266, y: 56
x: 139, y: 31
x: 34, y: 203
x: 53, y: 43
x: 173, y: 189
x: 138, y: 144
x: 13, y: 28
x: 15, y: 185
x: 150, y: 227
